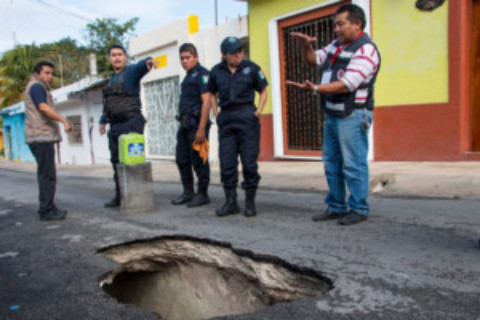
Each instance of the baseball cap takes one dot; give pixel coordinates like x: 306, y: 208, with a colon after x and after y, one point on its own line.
x: 230, y: 45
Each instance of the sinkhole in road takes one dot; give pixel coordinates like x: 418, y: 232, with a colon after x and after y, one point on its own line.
x: 182, y: 277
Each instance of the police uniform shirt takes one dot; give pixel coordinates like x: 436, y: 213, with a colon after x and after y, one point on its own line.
x: 193, y: 86
x: 237, y: 88
x: 133, y: 75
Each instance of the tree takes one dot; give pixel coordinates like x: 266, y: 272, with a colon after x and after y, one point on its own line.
x: 69, y: 58
x: 15, y: 69
x: 105, y: 32
x: 16, y: 66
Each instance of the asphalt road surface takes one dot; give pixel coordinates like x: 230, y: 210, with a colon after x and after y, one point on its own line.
x: 413, y: 258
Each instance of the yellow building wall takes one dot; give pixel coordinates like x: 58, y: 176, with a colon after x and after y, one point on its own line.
x: 413, y: 45
x: 414, y: 49
x: 260, y: 12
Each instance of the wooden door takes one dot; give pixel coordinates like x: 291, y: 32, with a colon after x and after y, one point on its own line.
x: 475, y: 89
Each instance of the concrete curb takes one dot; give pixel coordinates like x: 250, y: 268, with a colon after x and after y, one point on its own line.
x: 453, y: 180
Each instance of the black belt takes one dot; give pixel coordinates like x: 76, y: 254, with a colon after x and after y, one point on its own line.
x: 127, y: 116
x: 236, y: 107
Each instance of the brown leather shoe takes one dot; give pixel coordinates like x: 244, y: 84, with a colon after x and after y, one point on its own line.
x: 54, y: 215
x: 328, y: 215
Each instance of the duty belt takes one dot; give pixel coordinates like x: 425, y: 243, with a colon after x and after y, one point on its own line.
x: 236, y: 107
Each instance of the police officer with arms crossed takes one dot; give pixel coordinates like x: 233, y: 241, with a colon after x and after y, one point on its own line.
x: 235, y: 80
x: 350, y: 66
x: 41, y: 134
x: 122, y: 106
x: 194, y: 112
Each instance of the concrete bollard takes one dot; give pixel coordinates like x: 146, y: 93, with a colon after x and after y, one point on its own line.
x: 136, y: 188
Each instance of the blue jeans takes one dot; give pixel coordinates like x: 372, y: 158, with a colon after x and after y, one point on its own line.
x: 345, y: 148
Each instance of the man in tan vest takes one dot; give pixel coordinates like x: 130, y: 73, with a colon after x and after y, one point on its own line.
x: 41, y: 134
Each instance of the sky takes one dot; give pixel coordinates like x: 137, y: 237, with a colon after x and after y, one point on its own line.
x: 44, y: 21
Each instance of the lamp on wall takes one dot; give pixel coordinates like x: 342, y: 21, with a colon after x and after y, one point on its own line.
x: 428, y: 5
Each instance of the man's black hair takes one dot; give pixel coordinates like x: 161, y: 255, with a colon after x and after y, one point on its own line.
x: 39, y: 66
x: 355, y: 13
x: 116, y: 46
x: 188, y: 47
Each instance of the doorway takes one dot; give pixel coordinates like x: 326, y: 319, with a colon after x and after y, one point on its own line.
x: 8, y: 143
x: 302, y: 113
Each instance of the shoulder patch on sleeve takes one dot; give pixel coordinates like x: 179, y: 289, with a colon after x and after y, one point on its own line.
x: 261, y: 75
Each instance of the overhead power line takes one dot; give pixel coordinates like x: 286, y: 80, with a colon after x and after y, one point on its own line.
x: 51, y: 6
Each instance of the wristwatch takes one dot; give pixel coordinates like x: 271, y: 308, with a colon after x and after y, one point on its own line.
x: 315, y: 90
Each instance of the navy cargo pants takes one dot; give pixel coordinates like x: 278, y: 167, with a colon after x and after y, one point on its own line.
x: 239, y: 134
x: 134, y: 124
x: 186, y: 158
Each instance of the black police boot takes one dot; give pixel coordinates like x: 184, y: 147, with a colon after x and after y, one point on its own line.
x: 185, y: 197
x: 230, y: 206
x: 250, y: 209
x: 200, y: 198
x: 114, y: 203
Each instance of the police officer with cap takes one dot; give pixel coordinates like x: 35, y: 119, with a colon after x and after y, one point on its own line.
x: 122, y: 106
x: 193, y: 115
x: 235, y: 81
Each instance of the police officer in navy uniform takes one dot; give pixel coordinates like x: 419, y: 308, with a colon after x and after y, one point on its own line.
x: 235, y: 81
x: 122, y: 106
x: 194, y: 120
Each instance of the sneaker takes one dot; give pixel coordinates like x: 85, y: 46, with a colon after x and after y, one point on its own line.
x: 352, y: 218
x: 328, y: 215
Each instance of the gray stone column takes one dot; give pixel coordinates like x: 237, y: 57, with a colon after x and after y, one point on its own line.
x: 136, y: 188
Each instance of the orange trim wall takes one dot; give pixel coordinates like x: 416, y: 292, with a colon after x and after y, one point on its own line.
x: 266, y: 138
x: 433, y: 132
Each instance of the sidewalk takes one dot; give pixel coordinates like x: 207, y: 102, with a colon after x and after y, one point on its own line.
x: 422, y: 179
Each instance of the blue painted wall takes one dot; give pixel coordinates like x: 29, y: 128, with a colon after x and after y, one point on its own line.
x: 14, y: 126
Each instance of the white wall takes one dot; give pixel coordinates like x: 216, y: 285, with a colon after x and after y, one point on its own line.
x: 101, y: 153
x: 74, y: 153
x: 93, y: 149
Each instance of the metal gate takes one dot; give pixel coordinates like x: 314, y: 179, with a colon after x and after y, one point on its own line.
x: 303, y: 116
x: 161, y: 106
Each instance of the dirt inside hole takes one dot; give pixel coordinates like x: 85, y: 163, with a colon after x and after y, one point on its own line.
x: 182, y: 278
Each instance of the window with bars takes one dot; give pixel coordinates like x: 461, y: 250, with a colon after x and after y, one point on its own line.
x: 76, y: 136
x: 303, y: 113
x: 161, y: 106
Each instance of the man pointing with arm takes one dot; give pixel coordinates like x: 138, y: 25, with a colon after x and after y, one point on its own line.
x: 122, y: 106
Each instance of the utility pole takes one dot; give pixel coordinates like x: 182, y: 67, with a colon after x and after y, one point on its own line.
x: 61, y: 69
x: 216, y: 12
x: 14, y: 34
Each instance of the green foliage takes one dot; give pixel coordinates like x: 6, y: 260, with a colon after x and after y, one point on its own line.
x: 70, y: 59
x: 15, y: 69
x: 105, y: 32
x: 16, y: 66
